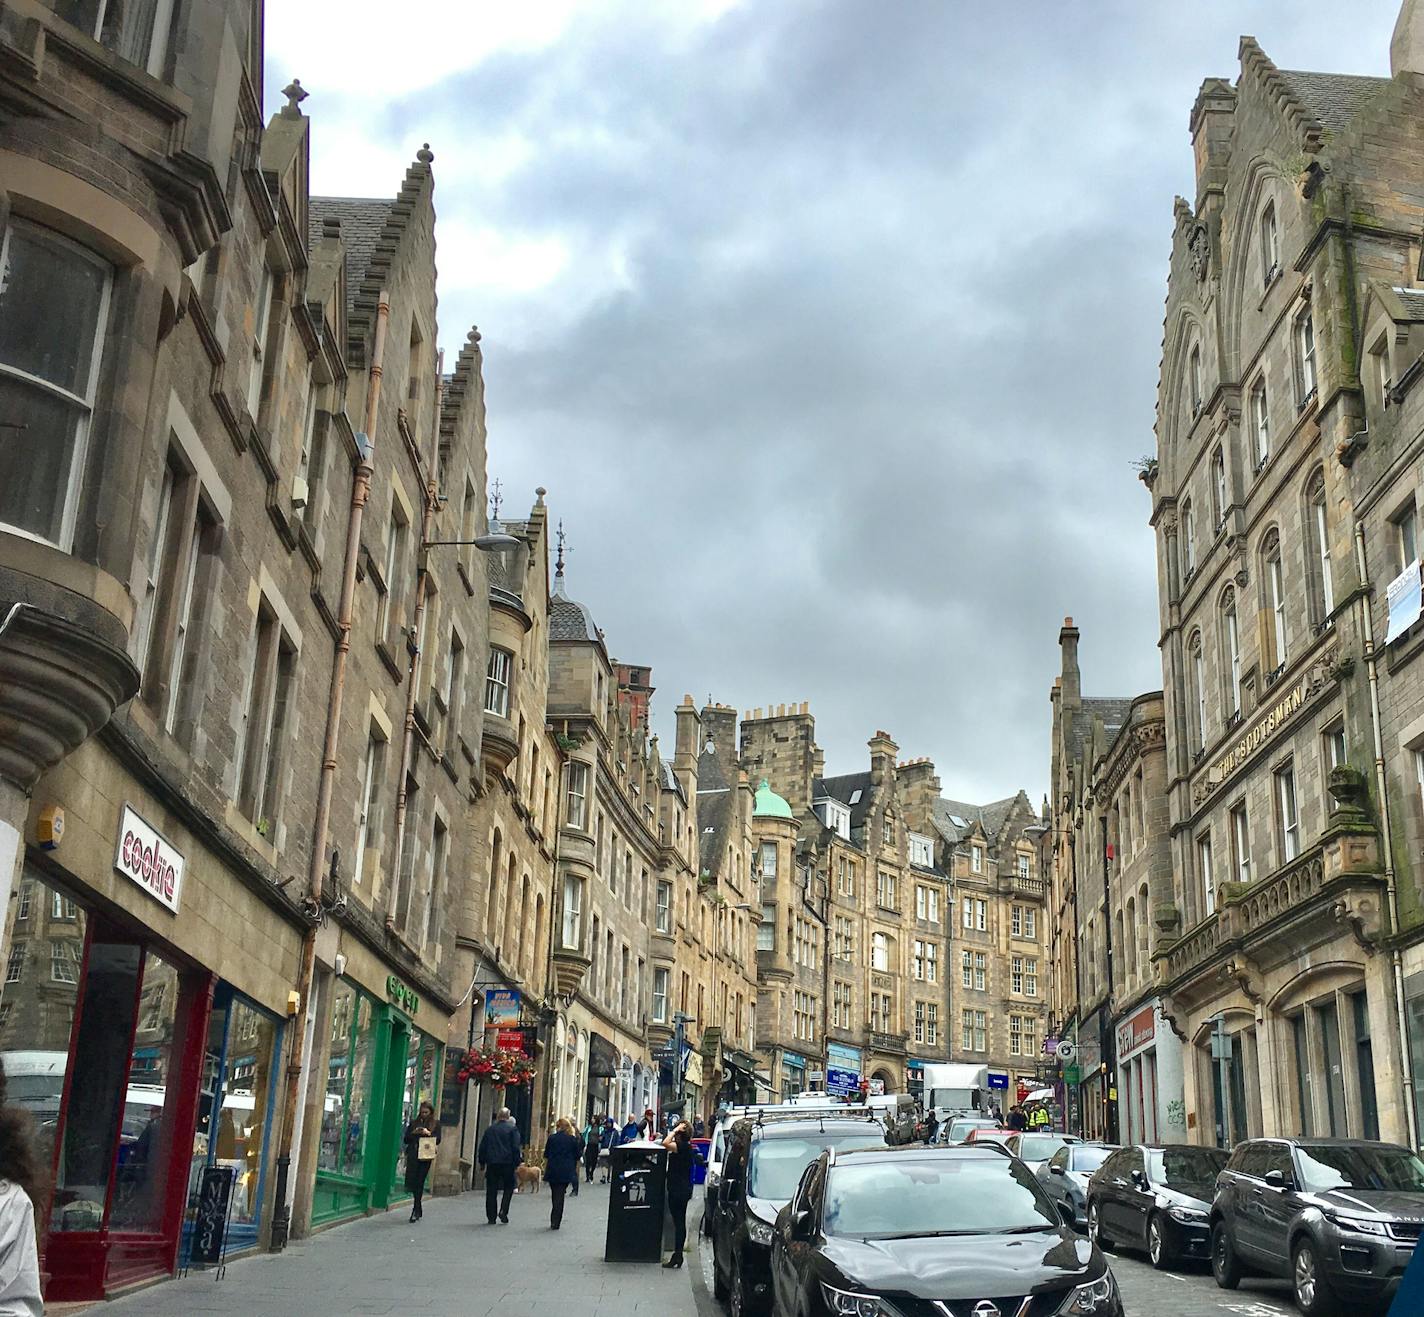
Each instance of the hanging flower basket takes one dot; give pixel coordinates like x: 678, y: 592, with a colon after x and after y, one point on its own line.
x: 498, y: 1067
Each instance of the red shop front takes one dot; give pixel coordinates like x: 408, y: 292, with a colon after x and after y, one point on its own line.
x: 102, y: 1034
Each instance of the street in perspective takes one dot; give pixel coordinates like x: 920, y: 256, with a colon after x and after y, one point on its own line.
x: 1029, y: 400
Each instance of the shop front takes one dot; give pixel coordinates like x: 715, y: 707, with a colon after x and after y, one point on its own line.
x: 843, y: 1064
x: 793, y: 1075
x: 603, y: 1061
x: 380, y: 1066
x: 143, y: 1043
x: 1149, y: 1078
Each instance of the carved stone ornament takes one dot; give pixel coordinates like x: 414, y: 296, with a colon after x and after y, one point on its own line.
x: 1199, y: 245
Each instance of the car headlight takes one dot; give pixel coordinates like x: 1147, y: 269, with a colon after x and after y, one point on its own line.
x: 759, y: 1232
x: 1187, y: 1215
x: 843, y: 1303
x: 1092, y: 1298
x: 1361, y: 1225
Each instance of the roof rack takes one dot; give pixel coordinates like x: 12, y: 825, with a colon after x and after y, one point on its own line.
x: 840, y: 1111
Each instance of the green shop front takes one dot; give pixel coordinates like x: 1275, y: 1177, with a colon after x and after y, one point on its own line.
x: 380, y: 1066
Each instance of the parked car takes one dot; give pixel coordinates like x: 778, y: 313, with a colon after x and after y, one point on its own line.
x: 943, y: 1230
x: 956, y: 1130
x: 765, y: 1158
x: 989, y: 1134
x: 1064, y: 1178
x: 1034, y: 1147
x: 1339, y: 1218
x: 1156, y: 1198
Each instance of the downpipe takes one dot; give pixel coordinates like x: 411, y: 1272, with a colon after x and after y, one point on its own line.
x: 1396, y: 960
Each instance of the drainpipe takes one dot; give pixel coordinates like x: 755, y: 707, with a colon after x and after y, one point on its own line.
x: 427, y: 521
x: 1391, y: 887
x: 294, y: 1101
x: 1074, y: 1105
x: 1105, y: 1052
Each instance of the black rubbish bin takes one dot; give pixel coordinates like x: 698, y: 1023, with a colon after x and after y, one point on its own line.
x: 636, y: 1203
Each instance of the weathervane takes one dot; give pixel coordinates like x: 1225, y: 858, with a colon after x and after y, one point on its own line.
x: 496, y: 498
x: 563, y: 541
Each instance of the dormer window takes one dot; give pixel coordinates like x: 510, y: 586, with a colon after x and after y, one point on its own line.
x: 834, y: 815
x: 1379, y: 368
x: 1270, y: 246
x: 976, y: 859
x: 887, y: 831
x: 921, y: 850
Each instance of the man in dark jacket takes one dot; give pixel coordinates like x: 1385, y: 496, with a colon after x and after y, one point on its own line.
x: 499, y: 1153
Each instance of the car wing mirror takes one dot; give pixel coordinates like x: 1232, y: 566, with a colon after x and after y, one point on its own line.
x: 801, y: 1224
x: 1139, y: 1179
x: 1056, y: 1170
x: 1278, y: 1180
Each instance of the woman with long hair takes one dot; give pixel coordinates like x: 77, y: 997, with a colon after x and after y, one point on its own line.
x: 21, y: 1186
x: 423, y: 1128
x: 561, y: 1158
x: 679, y: 1185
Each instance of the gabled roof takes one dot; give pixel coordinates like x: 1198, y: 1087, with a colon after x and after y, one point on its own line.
x: 1334, y: 98
x: 955, y: 820
x: 362, y: 220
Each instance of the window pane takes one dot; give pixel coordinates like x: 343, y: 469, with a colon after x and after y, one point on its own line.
x: 96, y: 1097
x: 338, y: 1069
x: 38, y: 435
x: 50, y: 298
x: 361, y: 1061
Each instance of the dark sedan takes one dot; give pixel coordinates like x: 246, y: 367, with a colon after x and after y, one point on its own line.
x: 934, y: 1230
x: 1157, y: 1199
x: 1065, y: 1176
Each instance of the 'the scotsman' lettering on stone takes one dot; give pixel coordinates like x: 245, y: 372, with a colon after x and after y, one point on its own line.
x: 1257, y: 736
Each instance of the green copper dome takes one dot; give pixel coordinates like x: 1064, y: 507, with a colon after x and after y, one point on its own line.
x: 769, y: 805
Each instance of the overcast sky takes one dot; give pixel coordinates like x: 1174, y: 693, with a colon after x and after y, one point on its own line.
x: 831, y: 326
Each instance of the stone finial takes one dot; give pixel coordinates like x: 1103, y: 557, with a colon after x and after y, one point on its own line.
x: 425, y: 155
x: 295, y: 94
x: 1351, y: 793
x: 539, y: 493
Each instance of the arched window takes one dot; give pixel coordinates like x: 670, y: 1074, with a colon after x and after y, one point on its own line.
x: 1322, y: 585
x: 1196, y: 667
x: 1218, y: 488
x: 1270, y: 245
x: 492, y: 898
x: 1231, y: 652
x: 511, y: 909
x: 1189, y: 539
x: 1144, y: 924
x: 1194, y: 377
x: 1273, y: 579
x: 1261, y: 422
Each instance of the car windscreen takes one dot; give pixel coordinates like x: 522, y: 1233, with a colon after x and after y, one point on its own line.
x: 1185, y: 1168
x: 959, y: 1128
x: 1085, y: 1157
x: 907, y: 1196
x: 776, y: 1164
x: 1039, y: 1147
x: 1360, y: 1167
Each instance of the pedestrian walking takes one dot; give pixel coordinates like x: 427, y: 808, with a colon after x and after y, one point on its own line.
x: 578, y: 1157
x: 19, y: 1186
x: 561, y: 1157
x: 630, y: 1129
x: 699, y: 1128
x: 931, y: 1126
x: 648, y: 1126
x: 590, y: 1151
x: 607, y: 1141
x: 1017, y: 1119
x: 679, y: 1186
x: 499, y: 1153
x: 422, y: 1137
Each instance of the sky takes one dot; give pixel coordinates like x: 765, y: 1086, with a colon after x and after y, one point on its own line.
x: 831, y: 327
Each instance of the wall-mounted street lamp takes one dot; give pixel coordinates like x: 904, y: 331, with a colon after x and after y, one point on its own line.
x: 486, y: 543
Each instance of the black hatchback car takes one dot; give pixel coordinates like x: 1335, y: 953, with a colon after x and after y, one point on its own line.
x: 1339, y: 1218
x: 765, y: 1159
x: 1156, y: 1198
x: 943, y: 1232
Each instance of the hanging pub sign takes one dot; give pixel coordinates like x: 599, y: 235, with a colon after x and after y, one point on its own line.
x: 145, y: 857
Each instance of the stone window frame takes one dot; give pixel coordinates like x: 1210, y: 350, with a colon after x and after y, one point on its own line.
x: 1204, y: 864
x: 1321, y: 576
x: 1275, y: 597
x: 1231, y: 663
x: 1270, y: 237
x: 1285, y: 804
x: 1305, y: 351
x: 1196, y: 690
x: 1260, y: 414
x: 1189, y: 540
x: 1195, y: 385
x: 1220, y: 488
x: 271, y: 683
x: 1404, y: 534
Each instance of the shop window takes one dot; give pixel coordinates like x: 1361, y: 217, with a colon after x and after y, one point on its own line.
x: 348, y: 1082
x: 54, y: 298
x: 422, y: 1083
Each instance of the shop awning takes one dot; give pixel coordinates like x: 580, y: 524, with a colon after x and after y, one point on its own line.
x: 602, y: 1057
x: 743, y: 1061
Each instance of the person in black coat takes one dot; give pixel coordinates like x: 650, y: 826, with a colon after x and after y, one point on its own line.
x: 590, y: 1151
x: 681, y: 1156
x: 499, y: 1153
x: 424, y: 1126
x: 561, y: 1159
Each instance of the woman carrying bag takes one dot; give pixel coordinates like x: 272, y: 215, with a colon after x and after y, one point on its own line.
x: 422, y: 1137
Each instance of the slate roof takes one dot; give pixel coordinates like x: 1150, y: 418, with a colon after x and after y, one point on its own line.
x: 362, y: 219
x: 843, y: 789
x: 1334, y: 98
x: 714, y: 804
x: 1412, y: 300
x: 990, y: 817
x: 1111, y: 710
x: 570, y: 620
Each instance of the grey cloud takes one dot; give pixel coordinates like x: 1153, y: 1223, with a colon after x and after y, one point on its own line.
x: 859, y: 430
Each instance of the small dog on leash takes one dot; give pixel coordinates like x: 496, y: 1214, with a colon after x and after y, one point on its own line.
x: 528, y: 1175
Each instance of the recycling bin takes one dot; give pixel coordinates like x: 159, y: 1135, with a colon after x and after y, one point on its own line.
x: 637, y: 1192
x: 699, y: 1164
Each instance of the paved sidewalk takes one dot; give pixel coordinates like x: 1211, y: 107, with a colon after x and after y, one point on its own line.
x: 449, y: 1263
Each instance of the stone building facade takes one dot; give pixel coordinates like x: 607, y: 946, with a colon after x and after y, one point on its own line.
x: 1280, y: 519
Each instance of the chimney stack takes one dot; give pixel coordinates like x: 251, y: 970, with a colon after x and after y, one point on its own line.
x: 1071, y: 696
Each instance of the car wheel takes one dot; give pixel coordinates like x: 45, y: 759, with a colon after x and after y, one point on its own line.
x: 1157, y: 1249
x: 1313, y: 1295
x: 1095, y: 1229
x: 1224, y: 1264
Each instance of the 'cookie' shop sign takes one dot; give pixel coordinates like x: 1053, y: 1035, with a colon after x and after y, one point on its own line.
x: 148, y: 859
